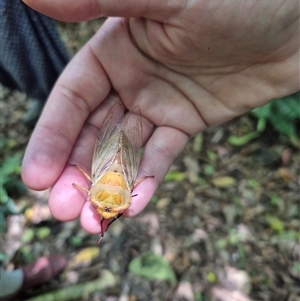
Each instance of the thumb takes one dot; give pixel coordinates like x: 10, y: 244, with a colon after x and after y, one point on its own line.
x: 83, y: 10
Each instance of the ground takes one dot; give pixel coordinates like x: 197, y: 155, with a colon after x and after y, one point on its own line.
x: 224, y: 225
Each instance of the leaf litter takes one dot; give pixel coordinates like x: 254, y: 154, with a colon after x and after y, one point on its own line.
x: 223, y: 226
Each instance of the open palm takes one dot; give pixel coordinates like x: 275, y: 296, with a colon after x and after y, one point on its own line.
x: 186, y: 64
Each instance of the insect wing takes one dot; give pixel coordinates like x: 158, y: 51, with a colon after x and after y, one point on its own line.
x: 131, y: 145
x: 108, y: 141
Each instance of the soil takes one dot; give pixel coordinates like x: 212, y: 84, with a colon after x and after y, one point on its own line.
x: 225, y: 220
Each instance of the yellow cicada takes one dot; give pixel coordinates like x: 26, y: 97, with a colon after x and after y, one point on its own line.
x: 115, y: 163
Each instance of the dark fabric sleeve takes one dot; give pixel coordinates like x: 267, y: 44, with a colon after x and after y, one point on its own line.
x: 32, y: 54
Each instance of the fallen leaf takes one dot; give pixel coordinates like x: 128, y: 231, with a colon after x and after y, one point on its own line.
x: 239, y: 141
x: 286, y: 175
x: 152, y: 266
x: 224, y: 182
x: 84, y: 257
x: 175, y: 176
x: 198, y: 143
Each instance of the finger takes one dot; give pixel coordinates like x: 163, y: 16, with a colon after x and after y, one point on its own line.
x: 66, y: 201
x: 90, y: 219
x: 79, y: 90
x: 162, y: 149
x: 78, y: 10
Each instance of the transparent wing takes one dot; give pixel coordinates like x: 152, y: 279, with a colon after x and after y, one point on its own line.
x: 108, y: 141
x: 131, y: 144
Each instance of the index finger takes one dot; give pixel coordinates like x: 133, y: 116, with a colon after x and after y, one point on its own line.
x: 78, y: 10
x: 78, y: 91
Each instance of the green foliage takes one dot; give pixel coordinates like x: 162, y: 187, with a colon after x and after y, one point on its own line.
x: 240, y: 141
x: 176, y: 176
x: 275, y: 223
x: 152, y: 266
x: 208, y: 170
x: 289, y: 235
x: 282, y: 114
x: 9, y: 182
x: 296, y: 267
x: 43, y: 232
x: 154, y: 199
x: 9, y: 176
x: 211, y: 277
x: 198, y: 143
x: 75, y: 241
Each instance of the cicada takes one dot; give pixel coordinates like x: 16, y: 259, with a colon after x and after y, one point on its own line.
x: 115, y: 163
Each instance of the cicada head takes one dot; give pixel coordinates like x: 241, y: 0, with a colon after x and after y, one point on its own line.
x: 109, y: 201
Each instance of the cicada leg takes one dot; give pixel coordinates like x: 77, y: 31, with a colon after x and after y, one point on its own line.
x: 102, y: 228
x: 140, y: 180
x: 80, y: 187
x: 84, y: 173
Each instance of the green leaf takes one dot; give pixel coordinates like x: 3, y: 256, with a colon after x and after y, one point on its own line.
x: 211, y: 277
x: 3, y: 142
x: 282, y: 114
x: 75, y: 241
x: 253, y: 183
x: 212, y: 155
x: 208, y: 170
x: 28, y: 236
x: 275, y: 200
x: 290, y: 235
x: 223, y: 182
x: 175, y: 176
x: 2, y: 257
x: 261, y: 124
x: 262, y: 112
x: 43, y: 232
x: 275, y: 223
x: 222, y: 243
x: 198, y: 143
x: 239, y: 141
x: 296, y: 267
x: 3, y: 225
x: 11, y: 207
x: 26, y: 251
x: 3, y: 195
x: 288, y: 106
x: 152, y: 266
x: 154, y: 199
x: 11, y: 165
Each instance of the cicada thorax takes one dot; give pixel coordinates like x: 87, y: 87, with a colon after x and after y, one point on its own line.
x: 110, y: 195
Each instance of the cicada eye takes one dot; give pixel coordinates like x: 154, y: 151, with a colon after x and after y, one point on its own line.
x: 107, y: 209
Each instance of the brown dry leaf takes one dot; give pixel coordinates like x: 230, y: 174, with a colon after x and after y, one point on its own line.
x: 223, y: 182
x: 163, y: 203
x: 12, y: 239
x: 286, y: 175
x: 38, y: 213
x: 185, y: 291
x: 235, y: 279
x: 252, y: 212
x: 192, y: 167
x: 151, y: 219
x: 226, y: 295
x: 286, y: 156
x: 84, y: 257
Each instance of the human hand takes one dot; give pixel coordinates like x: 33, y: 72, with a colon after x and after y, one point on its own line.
x: 186, y: 64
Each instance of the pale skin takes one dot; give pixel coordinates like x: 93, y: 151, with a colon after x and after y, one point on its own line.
x: 186, y: 64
